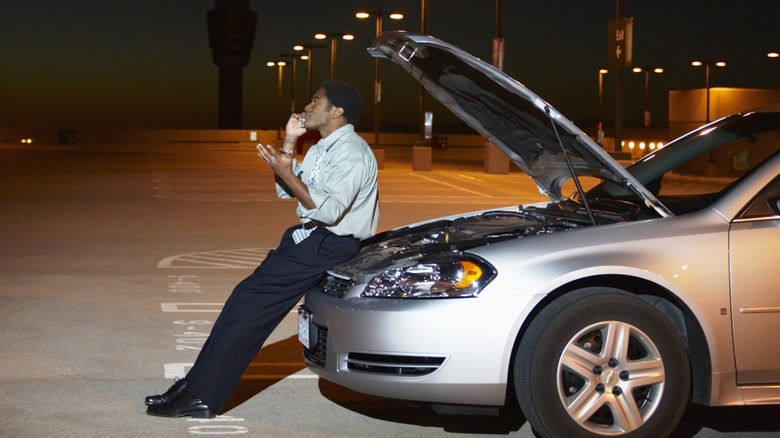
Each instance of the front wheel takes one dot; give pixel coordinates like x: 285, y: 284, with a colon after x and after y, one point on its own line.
x: 602, y: 362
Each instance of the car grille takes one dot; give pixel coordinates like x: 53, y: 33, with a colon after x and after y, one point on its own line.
x: 395, y: 365
x: 373, y: 363
x: 334, y: 286
x: 318, y: 352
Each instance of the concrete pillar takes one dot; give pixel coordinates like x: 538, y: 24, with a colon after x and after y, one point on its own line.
x: 495, y: 160
x: 421, y: 158
x: 379, y: 154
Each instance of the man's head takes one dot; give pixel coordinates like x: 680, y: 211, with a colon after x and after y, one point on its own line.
x: 346, y: 97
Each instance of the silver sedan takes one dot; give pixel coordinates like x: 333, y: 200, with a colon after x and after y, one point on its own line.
x: 603, y: 313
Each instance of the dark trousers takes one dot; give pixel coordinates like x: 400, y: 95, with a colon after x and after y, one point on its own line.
x: 256, y: 307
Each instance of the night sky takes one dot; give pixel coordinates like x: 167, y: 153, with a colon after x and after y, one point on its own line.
x: 70, y: 64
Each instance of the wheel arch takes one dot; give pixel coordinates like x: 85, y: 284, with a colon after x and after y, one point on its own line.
x: 672, y: 308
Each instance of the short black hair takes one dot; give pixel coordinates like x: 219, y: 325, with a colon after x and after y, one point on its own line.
x: 345, y: 96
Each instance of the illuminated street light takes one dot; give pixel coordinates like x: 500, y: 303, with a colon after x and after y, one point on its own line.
x: 707, y: 65
x: 333, y: 36
x: 293, y: 57
x: 600, y: 126
x: 281, y: 65
x: 377, y: 76
x: 310, y: 58
x: 773, y: 55
x: 647, y: 71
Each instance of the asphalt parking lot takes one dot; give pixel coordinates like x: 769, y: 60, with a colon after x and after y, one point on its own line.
x: 114, y: 262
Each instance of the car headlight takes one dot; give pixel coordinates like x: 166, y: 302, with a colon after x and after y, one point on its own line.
x: 450, y: 277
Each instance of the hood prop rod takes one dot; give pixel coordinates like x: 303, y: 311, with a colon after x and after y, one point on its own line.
x: 571, y: 168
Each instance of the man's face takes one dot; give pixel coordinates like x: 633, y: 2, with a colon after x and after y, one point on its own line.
x: 319, y: 111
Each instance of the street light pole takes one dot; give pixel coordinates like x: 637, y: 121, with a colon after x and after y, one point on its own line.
x: 333, y: 36
x: 377, y: 64
x: 707, y: 64
x: 647, y: 71
x: 281, y: 65
x: 424, y: 31
x: 293, y: 59
x: 498, y: 41
x: 600, y: 126
x: 310, y: 57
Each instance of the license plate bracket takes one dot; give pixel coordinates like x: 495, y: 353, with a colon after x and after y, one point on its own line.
x: 305, y: 327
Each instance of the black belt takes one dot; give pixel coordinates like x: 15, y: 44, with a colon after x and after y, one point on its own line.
x: 311, y: 224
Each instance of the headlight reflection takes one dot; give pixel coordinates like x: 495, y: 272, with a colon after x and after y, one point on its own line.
x: 450, y: 278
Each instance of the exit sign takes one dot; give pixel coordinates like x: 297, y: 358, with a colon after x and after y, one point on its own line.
x: 620, y: 37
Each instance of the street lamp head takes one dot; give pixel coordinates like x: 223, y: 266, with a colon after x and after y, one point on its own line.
x: 365, y: 14
x: 773, y: 55
x: 344, y: 36
x: 648, y: 69
x: 302, y: 47
x: 603, y: 71
x: 708, y: 63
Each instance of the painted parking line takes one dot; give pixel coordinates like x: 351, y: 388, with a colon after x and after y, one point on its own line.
x: 177, y: 370
x: 453, y: 186
x: 222, y: 259
x: 441, y: 188
x: 191, y: 307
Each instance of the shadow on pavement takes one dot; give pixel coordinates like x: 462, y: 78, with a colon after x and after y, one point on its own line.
x: 273, y: 363
x: 735, y: 419
x: 509, y: 420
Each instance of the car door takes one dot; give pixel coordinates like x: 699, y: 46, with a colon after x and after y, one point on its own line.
x: 755, y: 282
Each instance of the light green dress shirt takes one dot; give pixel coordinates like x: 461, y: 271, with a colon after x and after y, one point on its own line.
x: 346, y: 194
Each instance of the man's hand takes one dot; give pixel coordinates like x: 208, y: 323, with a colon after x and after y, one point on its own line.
x: 294, y: 128
x: 282, y: 167
x: 280, y: 164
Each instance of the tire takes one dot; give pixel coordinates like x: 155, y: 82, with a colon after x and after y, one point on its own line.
x: 573, y: 376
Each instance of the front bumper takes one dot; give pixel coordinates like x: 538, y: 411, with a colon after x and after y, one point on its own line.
x: 452, y: 350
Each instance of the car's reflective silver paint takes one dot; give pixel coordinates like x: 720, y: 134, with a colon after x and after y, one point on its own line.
x: 709, y: 269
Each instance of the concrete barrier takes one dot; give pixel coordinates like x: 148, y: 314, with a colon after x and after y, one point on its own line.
x: 495, y: 160
x: 421, y: 158
x: 379, y: 155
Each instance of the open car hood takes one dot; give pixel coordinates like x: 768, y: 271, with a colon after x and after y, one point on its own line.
x: 520, y: 123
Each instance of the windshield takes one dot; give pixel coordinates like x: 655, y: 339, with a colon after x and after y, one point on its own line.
x: 696, y: 170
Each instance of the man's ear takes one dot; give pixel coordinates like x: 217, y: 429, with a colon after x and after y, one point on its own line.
x: 336, y: 111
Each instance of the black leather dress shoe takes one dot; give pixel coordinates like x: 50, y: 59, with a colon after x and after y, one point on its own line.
x: 178, y: 386
x: 183, y: 405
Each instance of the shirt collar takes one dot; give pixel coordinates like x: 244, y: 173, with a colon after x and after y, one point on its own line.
x: 331, y: 139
